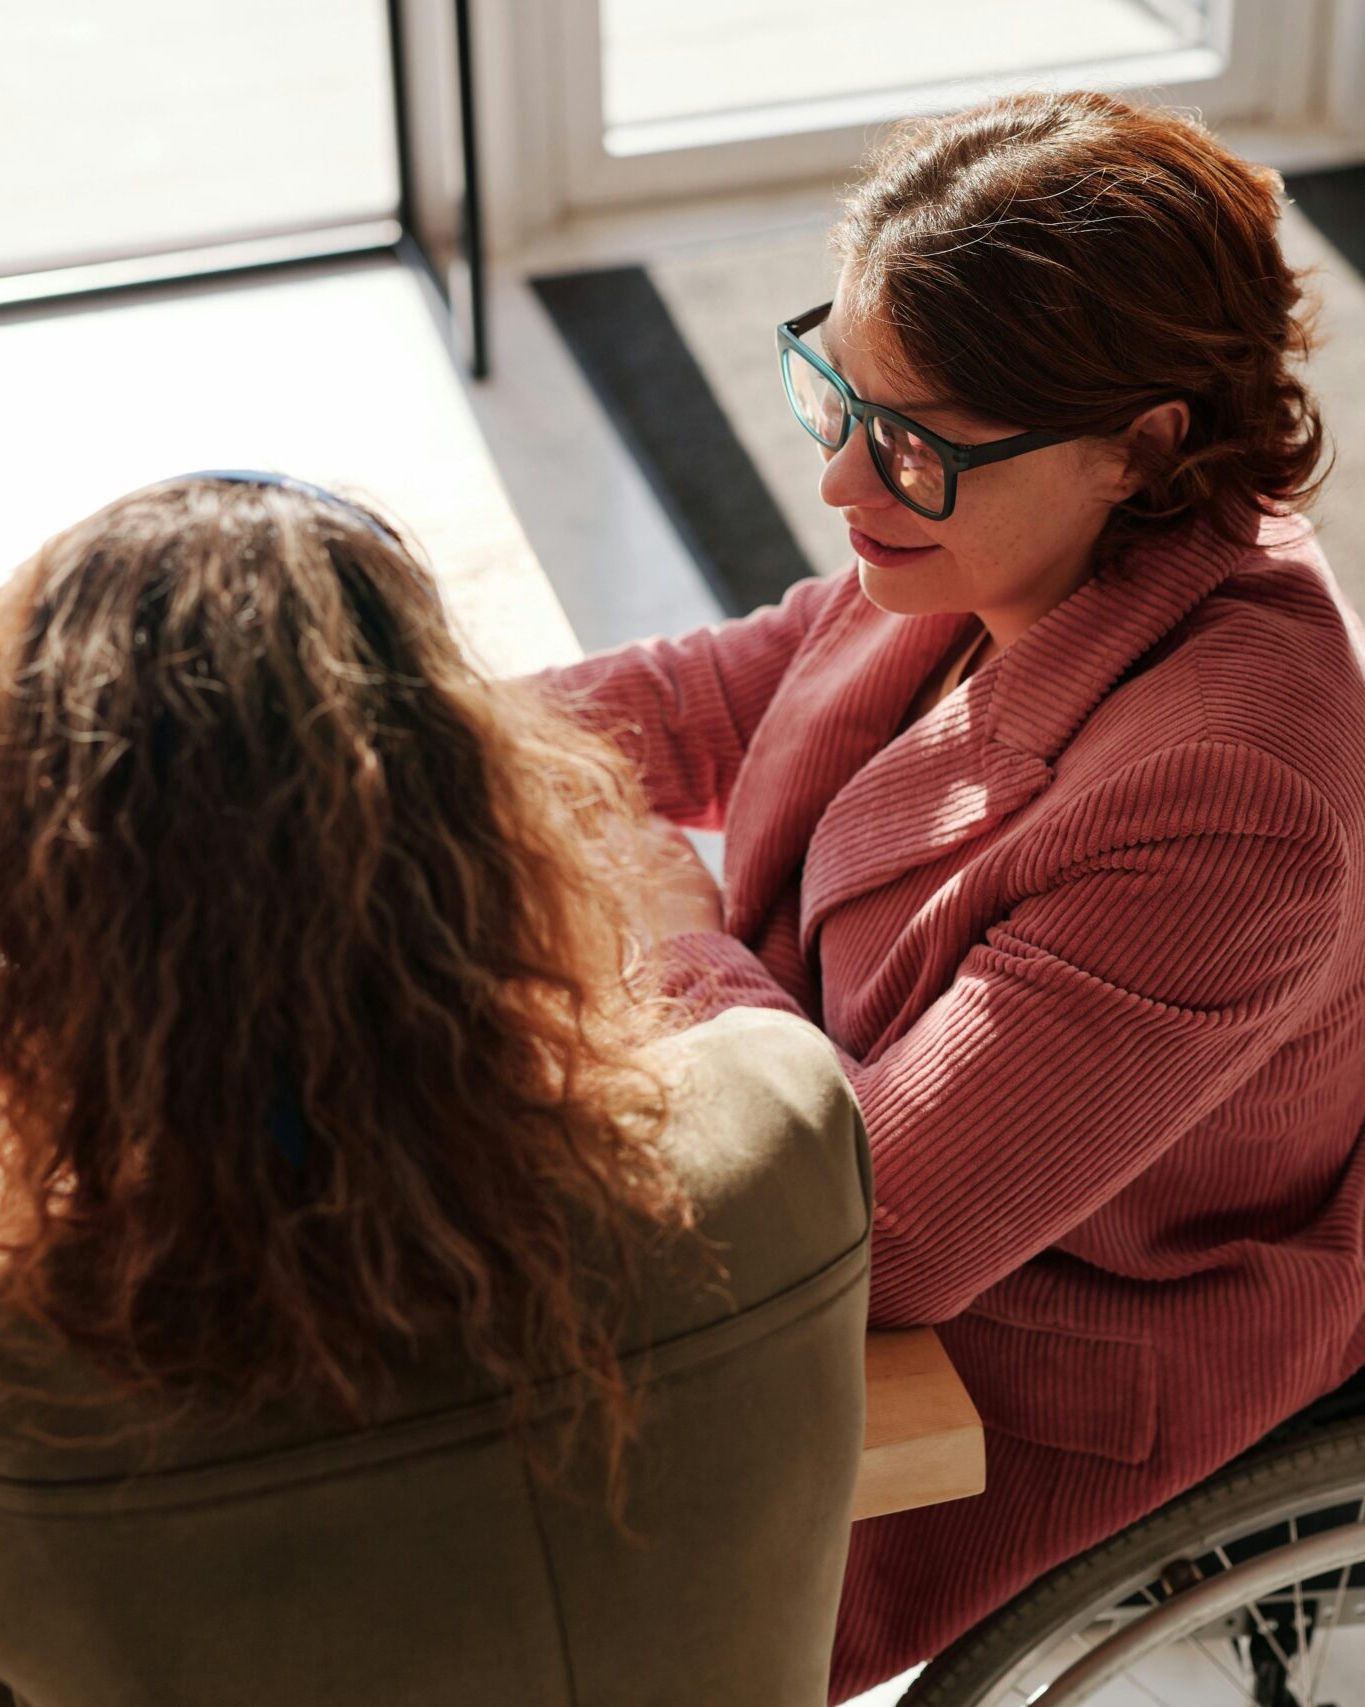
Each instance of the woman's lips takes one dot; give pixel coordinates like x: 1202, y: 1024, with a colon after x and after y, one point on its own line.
x: 885, y: 556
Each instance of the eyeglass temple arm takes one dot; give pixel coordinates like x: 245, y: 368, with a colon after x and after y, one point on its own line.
x: 1001, y: 450
x: 804, y: 322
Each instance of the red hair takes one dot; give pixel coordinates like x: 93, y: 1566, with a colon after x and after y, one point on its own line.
x: 1067, y: 261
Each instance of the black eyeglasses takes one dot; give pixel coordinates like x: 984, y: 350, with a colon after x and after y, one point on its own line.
x: 917, y: 466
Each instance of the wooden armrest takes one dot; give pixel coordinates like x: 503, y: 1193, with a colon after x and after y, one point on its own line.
x: 923, y: 1442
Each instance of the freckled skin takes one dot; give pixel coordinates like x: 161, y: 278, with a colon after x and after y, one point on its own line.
x: 1022, y: 532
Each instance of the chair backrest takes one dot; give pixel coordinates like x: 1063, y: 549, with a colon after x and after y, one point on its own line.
x: 420, y: 1562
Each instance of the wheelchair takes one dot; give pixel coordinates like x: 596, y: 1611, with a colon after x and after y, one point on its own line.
x: 1247, y: 1589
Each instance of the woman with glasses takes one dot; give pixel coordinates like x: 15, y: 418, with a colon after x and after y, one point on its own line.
x: 388, y: 1311
x: 1051, y: 811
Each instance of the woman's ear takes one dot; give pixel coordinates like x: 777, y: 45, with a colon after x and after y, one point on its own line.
x: 1153, y: 436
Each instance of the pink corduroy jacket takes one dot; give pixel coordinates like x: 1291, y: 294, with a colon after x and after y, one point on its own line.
x: 1090, y: 937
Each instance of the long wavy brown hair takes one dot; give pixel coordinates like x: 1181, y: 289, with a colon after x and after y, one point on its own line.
x: 1065, y: 261
x: 323, y: 1037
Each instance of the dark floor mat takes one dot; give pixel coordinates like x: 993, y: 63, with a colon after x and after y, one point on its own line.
x: 638, y: 363
x: 1335, y: 202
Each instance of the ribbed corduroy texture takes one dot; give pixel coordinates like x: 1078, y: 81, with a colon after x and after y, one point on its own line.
x: 1090, y: 937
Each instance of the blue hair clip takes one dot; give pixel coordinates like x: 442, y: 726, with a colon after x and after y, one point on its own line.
x: 287, y: 482
x: 285, y: 1124
x: 260, y: 477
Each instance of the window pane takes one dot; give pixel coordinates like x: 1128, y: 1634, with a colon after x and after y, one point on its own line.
x: 129, y: 126
x: 715, y: 56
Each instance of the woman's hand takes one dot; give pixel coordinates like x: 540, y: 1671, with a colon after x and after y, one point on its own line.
x: 684, y: 895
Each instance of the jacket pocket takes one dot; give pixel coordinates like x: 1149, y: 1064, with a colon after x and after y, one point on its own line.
x: 1076, y: 1392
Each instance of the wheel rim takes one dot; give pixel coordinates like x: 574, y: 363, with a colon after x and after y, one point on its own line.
x: 1205, y: 1608
x: 1274, y: 1527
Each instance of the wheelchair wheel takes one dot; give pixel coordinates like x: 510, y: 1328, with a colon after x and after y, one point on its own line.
x: 1250, y: 1588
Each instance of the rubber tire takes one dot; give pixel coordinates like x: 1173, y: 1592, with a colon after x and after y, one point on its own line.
x: 1272, y: 1478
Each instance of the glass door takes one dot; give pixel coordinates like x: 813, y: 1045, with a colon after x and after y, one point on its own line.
x: 661, y: 98
x: 149, y: 127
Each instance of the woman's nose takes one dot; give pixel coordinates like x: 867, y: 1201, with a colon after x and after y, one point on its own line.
x: 850, y: 480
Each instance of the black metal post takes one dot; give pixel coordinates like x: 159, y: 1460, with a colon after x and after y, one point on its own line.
x: 470, y: 226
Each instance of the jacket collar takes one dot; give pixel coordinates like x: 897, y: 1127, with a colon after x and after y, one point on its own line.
x: 1058, y: 671
x: 866, y: 805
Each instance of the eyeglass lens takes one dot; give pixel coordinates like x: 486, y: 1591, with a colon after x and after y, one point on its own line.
x: 913, y: 469
x: 815, y: 400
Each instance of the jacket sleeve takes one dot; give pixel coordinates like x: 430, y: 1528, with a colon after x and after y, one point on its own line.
x: 687, y: 709
x: 1096, y: 1023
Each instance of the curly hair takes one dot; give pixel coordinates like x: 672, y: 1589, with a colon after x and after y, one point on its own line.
x: 323, y: 1036
x: 1065, y: 261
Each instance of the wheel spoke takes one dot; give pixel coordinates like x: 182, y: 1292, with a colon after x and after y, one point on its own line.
x: 1264, y: 1625
x: 1325, y: 1633
x: 1142, y: 1689
x: 1236, y: 1682
x: 1261, y: 1621
x: 1300, y: 1622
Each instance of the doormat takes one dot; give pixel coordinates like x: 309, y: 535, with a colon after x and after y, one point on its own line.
x: 645, y: 376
